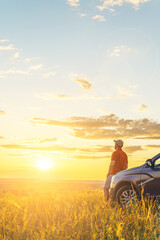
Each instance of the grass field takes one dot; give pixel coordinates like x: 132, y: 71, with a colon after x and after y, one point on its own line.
x: 34, y: 209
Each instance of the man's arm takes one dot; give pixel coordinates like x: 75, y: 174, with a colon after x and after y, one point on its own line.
x: 127, y: 162
x: 111, y: 166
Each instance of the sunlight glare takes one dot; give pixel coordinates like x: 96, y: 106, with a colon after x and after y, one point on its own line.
x: 44, y: 164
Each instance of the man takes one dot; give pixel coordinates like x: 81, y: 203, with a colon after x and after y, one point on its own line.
x: 119, y: 162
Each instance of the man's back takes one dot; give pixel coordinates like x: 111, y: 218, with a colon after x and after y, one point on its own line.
x: 121, y: 161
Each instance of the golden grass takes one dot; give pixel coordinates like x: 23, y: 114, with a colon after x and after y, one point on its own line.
x: 31, y: 212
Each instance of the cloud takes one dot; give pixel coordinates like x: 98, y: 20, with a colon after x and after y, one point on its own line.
x: 110, y: 4
x: 51, y: 96
x: 62, y: 96
x: 143, y: 107
x: 118, y: 51
x: 94, y: 150
x: 54, y: 148
x: 106, y: 127
x: 6, y: 48
x: 99, y: 17
x: 106, y: 148
x: 73, y: 3
x: 73, y: 76
x: 49, y: 74
x: 48, y: 140
x: 18, y: 155
x: 148, y: 138
x: 3, y: 73
x: 153, y: 146
x: 98, y: 149
x: 89, y: 157
x: 84, y: 83
x: 4, y: 40
x: 16, y: 55
x: 31, y: 59
x: 37, y: 148
x: 132, y: 149
x: 83, y: 15
x: 2, y: 112
x: 36, y: 67
x: 121, y: 93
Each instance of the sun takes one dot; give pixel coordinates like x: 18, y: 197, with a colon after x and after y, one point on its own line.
x: 44, y: 164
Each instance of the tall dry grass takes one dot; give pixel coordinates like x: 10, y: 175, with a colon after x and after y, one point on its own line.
x: 77, y: 215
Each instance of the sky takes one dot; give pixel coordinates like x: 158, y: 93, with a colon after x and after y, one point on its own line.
x: 74, y: 76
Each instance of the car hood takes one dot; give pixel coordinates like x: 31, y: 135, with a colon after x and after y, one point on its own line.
x: 130, y: 171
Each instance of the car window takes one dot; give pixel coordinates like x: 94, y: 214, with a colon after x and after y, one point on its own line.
x: 157, y: 163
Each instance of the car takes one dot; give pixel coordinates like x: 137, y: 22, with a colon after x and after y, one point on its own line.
x: 128, y: 185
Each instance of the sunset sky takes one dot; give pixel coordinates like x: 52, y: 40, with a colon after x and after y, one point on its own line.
x: 75, y: 75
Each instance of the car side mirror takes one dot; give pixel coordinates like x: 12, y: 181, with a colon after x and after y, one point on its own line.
x: 149, y: 163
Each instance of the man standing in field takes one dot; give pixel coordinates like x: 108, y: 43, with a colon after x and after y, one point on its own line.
x: 119, y: 162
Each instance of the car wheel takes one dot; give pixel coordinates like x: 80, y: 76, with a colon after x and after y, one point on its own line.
x: 126, y: 195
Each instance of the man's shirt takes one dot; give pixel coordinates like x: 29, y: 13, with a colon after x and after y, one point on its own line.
x: 121, y: 161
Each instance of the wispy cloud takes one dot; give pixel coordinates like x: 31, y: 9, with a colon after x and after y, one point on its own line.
x: 110, y: 4
x: 3, y: 73
x: 52, y: 95
x: 16, y: 55
x: 143, y: 107
x: 4, y: 40
x: 8, y: 47
x: 2, y: 112
x: 49, y: 74
x: 148, y: 138
x: 83, y: 15
x: 121, y: 50
x: 153, y: 146
x: 132, y: 149
x: 106, y: 127
x: 89, y: 157
x: 55, y: 148
x: 36, y: 67
x: 121, y: 93
x: 62, y: 96
x: 27, y: 60
x: 73, y: 3
x: 37, y: 148
x: 85, y: 83
x: 99, y: 18
x: 99, y: 151
x: 48, y: 140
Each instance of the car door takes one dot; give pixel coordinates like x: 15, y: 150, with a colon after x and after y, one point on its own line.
x: 151, y: 179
